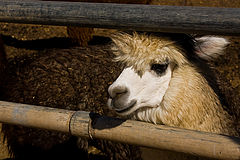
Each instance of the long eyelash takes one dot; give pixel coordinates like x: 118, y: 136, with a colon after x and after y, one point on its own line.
x: 161, y: 70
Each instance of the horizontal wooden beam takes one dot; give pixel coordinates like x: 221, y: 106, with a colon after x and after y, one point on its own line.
x: 124, y: 16
x: 80, y: 123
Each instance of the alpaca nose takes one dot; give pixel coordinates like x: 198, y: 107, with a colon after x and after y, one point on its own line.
x: 117, y: 91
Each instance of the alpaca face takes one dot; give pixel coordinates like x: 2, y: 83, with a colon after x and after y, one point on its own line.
x: 131, y: 91
x: 151, y: 63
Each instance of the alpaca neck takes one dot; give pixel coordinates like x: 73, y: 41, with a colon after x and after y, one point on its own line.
x: 190, y: 103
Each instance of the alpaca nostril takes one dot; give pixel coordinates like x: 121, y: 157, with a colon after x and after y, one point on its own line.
x: 117, y: 91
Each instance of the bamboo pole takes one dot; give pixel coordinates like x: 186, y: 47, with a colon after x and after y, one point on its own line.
x: 153, y: 18
x: 85, y: 124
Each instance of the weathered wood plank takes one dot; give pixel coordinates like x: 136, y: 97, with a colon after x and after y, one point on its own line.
x: 122, y: 16
x: 87, y: 124
x: 29, y: 115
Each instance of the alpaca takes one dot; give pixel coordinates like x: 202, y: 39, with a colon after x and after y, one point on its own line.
x: 3, y: 146
x: 167, y: 81
x: 74, y: 78
x: 2, y: 60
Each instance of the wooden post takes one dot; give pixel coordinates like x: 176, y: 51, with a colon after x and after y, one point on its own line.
x: 80, y: 123
x: 124, y: 16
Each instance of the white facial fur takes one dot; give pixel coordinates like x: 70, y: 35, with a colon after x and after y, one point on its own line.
x: 132, y: 92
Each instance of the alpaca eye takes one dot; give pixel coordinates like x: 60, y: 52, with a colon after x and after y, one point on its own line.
x: 159, y: 68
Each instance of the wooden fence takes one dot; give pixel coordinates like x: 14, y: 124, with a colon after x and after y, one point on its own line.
x: 122, y: 16
x: 130, y: 17
x: 85, y: 124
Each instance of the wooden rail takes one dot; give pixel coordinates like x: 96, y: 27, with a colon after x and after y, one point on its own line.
x: 121, y: 16
x: 80, y: 123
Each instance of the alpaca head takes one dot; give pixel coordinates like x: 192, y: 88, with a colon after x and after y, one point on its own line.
x: 160, y: 68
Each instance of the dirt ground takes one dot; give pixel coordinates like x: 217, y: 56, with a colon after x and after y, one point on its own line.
x: 227, y: 66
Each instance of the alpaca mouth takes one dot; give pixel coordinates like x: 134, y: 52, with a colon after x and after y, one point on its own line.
x: 128, y: 108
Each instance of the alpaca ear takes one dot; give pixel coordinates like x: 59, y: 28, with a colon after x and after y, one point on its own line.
x: 210, y: 47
